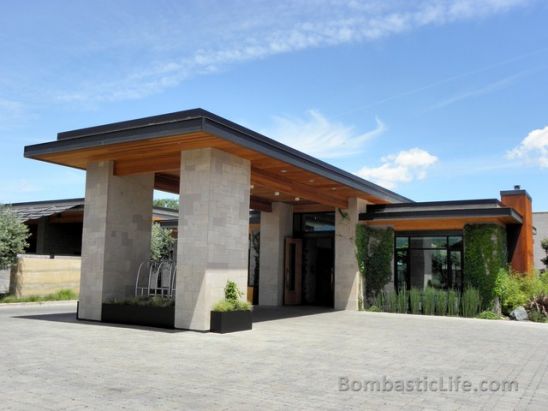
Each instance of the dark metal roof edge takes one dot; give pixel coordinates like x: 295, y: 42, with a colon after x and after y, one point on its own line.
x: 297, y: 158
x: 470, y: 212
x: 44, y: 202
x: 74, y: 200
x: 196, y: 119
x: 377, y: 207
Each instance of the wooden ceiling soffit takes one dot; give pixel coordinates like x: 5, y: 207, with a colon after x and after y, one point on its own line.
x: 296, y: 189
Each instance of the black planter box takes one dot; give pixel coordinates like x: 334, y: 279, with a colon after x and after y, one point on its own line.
x: 230, y: 321
x: 162, y: 317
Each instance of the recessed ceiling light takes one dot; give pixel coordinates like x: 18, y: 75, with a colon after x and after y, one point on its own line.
x: 276, y: 193
x: 297, y: 198
x: 284, y: 171
x: 333, y: 188
x: 311, y: 180
x: 252, y: 186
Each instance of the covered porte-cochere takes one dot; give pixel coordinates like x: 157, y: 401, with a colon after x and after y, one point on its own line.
x: 220, y: 170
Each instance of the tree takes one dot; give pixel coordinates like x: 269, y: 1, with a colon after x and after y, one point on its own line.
x: 166, y: 203
x: 544, y: 245
x: 13, y: 237
x: 161, y: 244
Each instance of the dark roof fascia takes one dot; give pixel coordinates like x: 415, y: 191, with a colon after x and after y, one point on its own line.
x: 451, y: 203
x: 464, y: 213
x: 47, y: 202
x: 197, y: 120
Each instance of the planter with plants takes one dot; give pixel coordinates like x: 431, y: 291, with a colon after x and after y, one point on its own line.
x: 231, y: 314
x: 147, y: 311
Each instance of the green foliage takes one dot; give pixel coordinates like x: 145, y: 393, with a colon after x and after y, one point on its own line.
x: 415, y: 301
x: 390, y: 299
x: 61, y: 295
x: 374, y: 309
x: 374, y: 252
x: 544, y: 245
x: 166, y: 203
x: 488, y: 315
x: 232, y: 301
x: 514, y: 289
x: 484, y: 255
x: 537, y: 317
x: 452, y: 303
x: 161, y: 244
x: 13, y: 237
x: 441, y: 302
x: 403, y: 301
x: 152, y: 301
x: 429, y: 301
x: 470, y: 302
x: 231, y: 305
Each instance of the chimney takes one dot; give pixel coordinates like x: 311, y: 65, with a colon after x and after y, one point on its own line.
x: 520, y: 237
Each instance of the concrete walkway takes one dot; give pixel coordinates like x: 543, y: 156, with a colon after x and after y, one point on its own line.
x: 293, y: 359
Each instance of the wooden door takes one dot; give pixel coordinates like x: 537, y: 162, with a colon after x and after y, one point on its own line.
x: 293, y: 271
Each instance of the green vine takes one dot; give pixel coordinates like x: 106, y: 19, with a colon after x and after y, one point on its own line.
x: 374, y: 253
x: 485, y: 254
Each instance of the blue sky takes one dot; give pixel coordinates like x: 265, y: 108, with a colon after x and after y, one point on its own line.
x: 434, y: 99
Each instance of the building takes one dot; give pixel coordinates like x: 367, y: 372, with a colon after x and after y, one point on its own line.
x: 55, y: 226
x: 540, y: 222
x: 309, y: 211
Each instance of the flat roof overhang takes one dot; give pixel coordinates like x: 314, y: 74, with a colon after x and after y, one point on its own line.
x: 440, y: 214
x: 153, y: 144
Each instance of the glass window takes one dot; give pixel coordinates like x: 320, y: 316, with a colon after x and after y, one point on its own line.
x: 402, y: 242
x: 428, y: 242
x: 428, y: 261
x: 314, y: 223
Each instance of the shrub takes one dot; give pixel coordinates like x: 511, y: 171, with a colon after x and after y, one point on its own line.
x: 485, y: 253
x: 415, y: 301
x: 13, y: 237
x: 538, y: 305
x: 403, y: 301
x: 161, y: 243
x: 390, y: 299
x: 374, y: 252
x: 232, y: 301
x: 537, y: 317
x: 488, y: 315
x: 471, y: 302
x: 374, y: 309
x: 428, y: 301
x: 144, y: 301
x: 378, y: 301
x: 63, y: 294
x: 441, y: 302
x: 514, y: 289
x: 452, y: 302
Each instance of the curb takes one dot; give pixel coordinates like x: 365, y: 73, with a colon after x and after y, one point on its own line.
x: 38, y: 303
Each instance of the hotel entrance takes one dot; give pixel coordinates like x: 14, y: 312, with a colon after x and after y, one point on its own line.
x: 309, y: 262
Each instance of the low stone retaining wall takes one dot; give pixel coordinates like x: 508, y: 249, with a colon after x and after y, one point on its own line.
x: 42, y: 275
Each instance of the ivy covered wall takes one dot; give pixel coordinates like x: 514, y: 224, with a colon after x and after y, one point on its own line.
x: 485, y: 253
x: 374, y: 252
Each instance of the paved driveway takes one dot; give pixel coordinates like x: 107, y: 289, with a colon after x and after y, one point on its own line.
x: 293, y: 359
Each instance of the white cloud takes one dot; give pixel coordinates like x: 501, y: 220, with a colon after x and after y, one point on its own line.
x: 403, y: 167
x: 319, y: 137
x: 533, y: 149
x: 284, y: 27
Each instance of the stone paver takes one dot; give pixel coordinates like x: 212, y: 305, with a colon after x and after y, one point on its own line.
x: 51, y: 361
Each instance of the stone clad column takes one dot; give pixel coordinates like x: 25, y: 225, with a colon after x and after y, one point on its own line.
x: 213, y: 232
x: 116, y: 235
x: 275, y: 227
x: 346, y: 266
